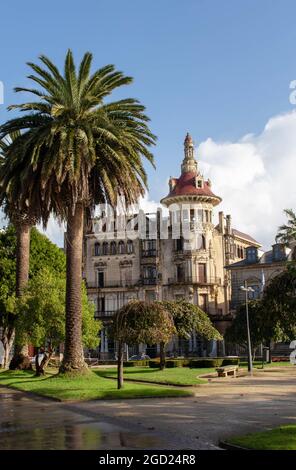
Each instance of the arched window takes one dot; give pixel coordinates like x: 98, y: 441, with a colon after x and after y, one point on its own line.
x: 98, y: 249
x: 113, y: 248
x: 129, y: 246
x: 105, y: 248
x: 121, y: 248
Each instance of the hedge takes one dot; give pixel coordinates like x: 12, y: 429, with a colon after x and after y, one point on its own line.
x: 203, y: 363
x: 139, y: 363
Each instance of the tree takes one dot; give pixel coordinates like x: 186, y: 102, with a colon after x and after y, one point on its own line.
x: 41, y: 317
x: 287, y: 232
x: 279, y: 301
x: 262, y: 327
x: 188, y: 318
x: 23, y: 220
x: 44, y: 254
x: 140, y: 322
x: 76, y: 151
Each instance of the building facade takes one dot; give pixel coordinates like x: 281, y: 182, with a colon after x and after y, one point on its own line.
x: 178, y: 252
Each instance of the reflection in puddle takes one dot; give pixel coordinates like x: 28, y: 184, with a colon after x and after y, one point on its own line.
x: 84, y: 436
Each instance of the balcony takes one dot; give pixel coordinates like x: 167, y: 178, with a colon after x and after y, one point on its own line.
x: 149, y: 281
x: 112, y: 283
x: 149, y: 253
x: 193, y: 280
x: 105, y: 314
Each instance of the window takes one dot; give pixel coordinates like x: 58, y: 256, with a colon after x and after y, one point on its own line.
x: 101, y: 280
x: 202, y: 272
x: 149, y: 248
x: 97, y: 249
x: 256, y: 292
x: 200, y: 215
x: 101, y: 304
x: 105, y: 248
x: 150, y: 275
x: 252, y: 254
x: 179, y: 244
x: 130, y: 247
x: 113, y: 248
x: 201, y: 242
x: 121, y: 248
x: 204, y: 302
x: 180, y: 273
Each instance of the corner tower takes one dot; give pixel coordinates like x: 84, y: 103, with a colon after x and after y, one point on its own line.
x: 191, y: 185
x: 196, y: 259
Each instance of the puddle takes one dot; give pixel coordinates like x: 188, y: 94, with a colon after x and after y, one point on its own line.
x: 86, y: 436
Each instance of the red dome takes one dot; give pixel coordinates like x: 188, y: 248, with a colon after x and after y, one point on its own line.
x: 185, y: 186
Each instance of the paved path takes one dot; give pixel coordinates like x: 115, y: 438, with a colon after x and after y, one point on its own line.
x: 219, y: 409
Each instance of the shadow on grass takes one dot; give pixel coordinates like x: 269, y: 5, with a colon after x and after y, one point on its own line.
x: 128, y: 371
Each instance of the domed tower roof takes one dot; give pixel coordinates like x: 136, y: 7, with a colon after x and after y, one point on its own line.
x: 191, y: 184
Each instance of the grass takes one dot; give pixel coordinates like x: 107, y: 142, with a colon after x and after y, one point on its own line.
x: 282, y: 438
x: 88, y: 387
x: 170, y: 376
x: 258, y: 364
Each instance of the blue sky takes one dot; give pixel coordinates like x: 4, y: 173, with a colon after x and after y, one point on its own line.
x: 217, y: 68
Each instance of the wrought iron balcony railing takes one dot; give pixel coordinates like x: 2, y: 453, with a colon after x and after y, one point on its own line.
x: 195, y: 280
x: 112, y: 283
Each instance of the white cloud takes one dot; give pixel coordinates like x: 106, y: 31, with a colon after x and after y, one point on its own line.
x: 255, y: 176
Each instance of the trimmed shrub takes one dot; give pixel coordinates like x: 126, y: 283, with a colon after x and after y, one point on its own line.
x: 203, y: 363
x: 154, y: 364
x: 140, y: 363
x: 173, y: 363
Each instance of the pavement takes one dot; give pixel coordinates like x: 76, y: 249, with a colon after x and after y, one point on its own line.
x: 219, y: 409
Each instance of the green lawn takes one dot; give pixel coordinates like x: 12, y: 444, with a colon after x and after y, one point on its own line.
x: 282, y: 438
x: 169, y: 376
x: 258, y: 364
x: 88, y: 387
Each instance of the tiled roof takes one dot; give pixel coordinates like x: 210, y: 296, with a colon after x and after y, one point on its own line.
x: 185, y: 185
x: 245, y: 236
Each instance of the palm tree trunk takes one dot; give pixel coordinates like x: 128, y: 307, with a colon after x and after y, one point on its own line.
x: 23, y: 232
x: 7, y: 339
x: 120, y: 365
x: 73, y: 360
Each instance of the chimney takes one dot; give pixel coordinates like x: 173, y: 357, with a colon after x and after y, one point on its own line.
x: 221, y: 222
x: 228, y: 224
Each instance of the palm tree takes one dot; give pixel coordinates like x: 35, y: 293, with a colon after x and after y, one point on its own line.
x: 23, y: 220
x: 76, y: 151
x: 287, y: 232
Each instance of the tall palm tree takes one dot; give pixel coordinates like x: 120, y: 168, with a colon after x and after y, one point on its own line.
x: 23, y: 220
x: 75, y: 151
x: 287, y: 232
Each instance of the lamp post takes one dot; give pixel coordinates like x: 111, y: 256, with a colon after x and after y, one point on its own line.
x: 247, y: 289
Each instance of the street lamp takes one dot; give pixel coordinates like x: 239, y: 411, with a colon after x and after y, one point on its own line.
x: 247, y: 289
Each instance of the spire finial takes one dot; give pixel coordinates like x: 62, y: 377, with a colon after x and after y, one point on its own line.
x: 189, y: 162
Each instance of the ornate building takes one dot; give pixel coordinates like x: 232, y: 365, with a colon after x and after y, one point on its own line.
x: 182, y: 255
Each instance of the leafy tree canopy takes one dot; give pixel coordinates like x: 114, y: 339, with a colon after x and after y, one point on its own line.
x: 143, y: 322
x: 279, y: 302
x: 44, y: 254
x: 188, y: 318
x: 260, y: 330
x: 41, y: 312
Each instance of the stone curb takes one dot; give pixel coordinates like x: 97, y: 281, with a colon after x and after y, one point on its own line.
x: 227, y: 446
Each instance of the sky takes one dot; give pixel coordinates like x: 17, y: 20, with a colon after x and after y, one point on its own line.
x: 219, y: 69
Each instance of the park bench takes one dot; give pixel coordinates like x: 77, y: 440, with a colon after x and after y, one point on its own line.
x: 227, y: 370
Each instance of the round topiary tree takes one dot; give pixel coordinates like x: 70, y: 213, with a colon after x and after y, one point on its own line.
x: 140, y: 322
